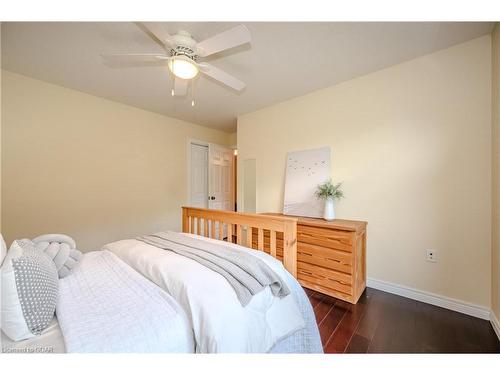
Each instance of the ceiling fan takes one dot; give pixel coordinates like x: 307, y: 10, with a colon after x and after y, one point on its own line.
x: 185, y: 53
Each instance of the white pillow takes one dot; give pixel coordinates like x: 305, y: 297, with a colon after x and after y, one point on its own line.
x: 29, y: 286
x: 3, y: 249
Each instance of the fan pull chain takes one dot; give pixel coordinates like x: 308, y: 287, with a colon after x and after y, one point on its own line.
x: 172, y: 80
x: 192, y: 92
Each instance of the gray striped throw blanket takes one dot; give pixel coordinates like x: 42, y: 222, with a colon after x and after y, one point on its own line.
x: 247, y: 274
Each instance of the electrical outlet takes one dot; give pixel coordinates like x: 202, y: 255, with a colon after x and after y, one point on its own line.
x: 431, y: 255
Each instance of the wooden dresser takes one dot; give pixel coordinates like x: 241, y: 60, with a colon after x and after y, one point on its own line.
x: 331, y: 256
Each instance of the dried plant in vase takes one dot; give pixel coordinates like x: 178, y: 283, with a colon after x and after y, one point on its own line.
x: 329, y: 192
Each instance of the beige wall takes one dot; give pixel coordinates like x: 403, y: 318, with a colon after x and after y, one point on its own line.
x: 495, y: 295
x: 249, y: 186
x: 89, y: 167
x: 412, y: 144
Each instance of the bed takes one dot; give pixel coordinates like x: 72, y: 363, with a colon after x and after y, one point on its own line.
x: 210, y: 314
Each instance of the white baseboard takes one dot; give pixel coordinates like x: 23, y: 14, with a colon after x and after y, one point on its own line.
x: 495, y: 323
x: 432, y: 299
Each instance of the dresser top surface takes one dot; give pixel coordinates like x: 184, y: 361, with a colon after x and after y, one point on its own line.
x: 349, y: 225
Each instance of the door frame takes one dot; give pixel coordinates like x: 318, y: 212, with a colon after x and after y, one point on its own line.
x: 195, y: 141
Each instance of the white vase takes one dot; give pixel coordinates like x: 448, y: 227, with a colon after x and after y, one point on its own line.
x: 329, y: 213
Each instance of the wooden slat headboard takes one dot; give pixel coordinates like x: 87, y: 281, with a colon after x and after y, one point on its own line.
x: 223, y: 225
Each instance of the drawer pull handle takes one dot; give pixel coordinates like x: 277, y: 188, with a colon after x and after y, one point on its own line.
x: 333, y: 260
x: 340, y: 282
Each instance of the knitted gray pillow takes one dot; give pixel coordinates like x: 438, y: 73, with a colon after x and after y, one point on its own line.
x: 30, y: 287
x: 61, y: 249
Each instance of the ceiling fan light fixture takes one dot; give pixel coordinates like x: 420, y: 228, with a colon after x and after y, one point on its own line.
x: 183, y: 67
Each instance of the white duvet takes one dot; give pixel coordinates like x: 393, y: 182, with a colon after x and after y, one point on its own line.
x: 219, y: 322
x: 105, y: 306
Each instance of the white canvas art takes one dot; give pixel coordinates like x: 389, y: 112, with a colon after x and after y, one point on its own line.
x: 305, y: 170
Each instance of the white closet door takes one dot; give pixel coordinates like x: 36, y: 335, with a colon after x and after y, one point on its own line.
x: 199, y: 176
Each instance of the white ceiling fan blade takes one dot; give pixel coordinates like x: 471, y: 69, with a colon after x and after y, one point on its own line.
x: 180, y: 86
x: 131, y: 57
x: 158, y: 31
x: 222, y: 76
x: 228, y: 39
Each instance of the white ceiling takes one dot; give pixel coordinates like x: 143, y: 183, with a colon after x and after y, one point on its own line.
x: 284, y: 60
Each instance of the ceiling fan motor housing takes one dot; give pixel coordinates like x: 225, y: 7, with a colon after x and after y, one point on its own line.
x: 183, y: 44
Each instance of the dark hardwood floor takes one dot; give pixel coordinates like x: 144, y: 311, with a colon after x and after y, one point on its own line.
x: 385, y: 323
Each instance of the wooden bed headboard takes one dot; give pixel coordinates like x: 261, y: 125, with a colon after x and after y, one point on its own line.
x: 223, y: 225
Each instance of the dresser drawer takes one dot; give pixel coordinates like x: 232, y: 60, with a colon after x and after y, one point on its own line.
x: 324, y: 257
x: 326, y: 290
x: 325, y: 273
x: 330, y: 238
